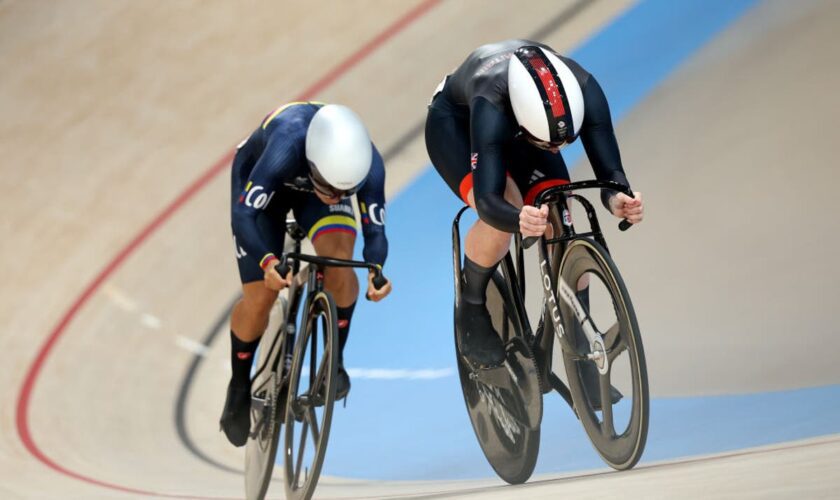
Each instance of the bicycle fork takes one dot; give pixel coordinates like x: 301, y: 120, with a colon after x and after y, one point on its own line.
x: 597, y: 348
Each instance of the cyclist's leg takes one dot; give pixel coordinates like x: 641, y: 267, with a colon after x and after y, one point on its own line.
x: 448, y: 144
x: 249, y: 318
x: 332, y: 230
x: 486, y: 245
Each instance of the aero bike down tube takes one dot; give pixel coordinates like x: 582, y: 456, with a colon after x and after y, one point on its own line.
x: 550, y: 301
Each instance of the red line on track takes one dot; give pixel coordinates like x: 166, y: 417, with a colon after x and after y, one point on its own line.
x: 25, y: 395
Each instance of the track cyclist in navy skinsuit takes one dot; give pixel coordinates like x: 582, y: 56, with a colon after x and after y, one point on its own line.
x: 309, y: 158
x: 494, y: 131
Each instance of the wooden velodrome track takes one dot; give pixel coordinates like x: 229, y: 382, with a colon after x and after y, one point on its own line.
x: 118, y: 122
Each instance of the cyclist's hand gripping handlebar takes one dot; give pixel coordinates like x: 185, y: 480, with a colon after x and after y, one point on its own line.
x: 624, y: 225
x: 379, y: 280
x: 283, y: 267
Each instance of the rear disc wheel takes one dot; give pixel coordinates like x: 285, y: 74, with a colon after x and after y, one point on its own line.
x: 505, y: 415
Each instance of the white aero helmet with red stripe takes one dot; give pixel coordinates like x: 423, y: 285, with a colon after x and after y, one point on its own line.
x: 546, y: 97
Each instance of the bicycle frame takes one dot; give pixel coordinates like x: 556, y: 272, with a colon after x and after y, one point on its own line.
x: 558, y: 198
x: 288, y: 329
x: 542, y: 342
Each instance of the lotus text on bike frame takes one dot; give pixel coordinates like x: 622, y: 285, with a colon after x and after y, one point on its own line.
x: 550, y: 300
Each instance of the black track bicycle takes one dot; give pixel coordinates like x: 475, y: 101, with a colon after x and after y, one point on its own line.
x: 587, y: 311
x: 294, y: 385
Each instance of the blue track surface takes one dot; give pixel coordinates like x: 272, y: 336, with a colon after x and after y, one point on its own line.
x: 418, y: 428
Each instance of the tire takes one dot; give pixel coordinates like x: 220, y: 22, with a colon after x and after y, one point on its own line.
x: 315, y: 361
x: 621, y: 449
x: 510, y: 446
x: 261, y: 448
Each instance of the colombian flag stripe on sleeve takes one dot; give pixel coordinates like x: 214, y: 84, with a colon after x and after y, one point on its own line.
x: 333, y: 223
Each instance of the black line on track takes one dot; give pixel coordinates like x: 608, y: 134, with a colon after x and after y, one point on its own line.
x: 543, y: 31
x: 184, y: 390
x: 563, y: 17
x: 560, y: 19
x: 404, y: 141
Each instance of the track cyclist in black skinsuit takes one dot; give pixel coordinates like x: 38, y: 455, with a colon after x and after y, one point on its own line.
x: 309, y: 158
x: 494, y: 131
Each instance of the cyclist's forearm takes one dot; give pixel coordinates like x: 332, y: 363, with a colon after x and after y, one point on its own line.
x: 606, y: 194
x: 248, y: 237
x: 599, y: 141
x: 376, y: 247
x: 496, y: 211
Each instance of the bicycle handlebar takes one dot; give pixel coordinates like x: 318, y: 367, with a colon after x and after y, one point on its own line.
x: 379, y: 280
x: 545, y: 195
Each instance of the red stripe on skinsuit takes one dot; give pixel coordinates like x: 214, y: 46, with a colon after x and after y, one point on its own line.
x: 536, y: 188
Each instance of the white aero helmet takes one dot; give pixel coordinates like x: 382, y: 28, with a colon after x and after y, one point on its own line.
x: 338, y: 149
x: 546, y: 97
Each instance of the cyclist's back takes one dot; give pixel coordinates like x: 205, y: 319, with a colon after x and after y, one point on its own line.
x: 484, y: 74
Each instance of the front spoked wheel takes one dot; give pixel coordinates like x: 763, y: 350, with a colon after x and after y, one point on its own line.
x: 607, y: 378
x: 505, y: 404
x: 311, y: 398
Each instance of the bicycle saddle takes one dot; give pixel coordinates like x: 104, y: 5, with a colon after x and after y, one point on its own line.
x: 294, y: 230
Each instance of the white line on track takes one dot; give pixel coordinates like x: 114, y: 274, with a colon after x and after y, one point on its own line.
x: 191, y: 345
x: 120, y: 298
x: 386, y: 374
x: 150, y: 321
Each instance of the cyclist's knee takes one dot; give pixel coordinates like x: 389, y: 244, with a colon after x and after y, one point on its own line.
x: 489, y: 232
x: 249, y: 316
x: 342, y: 283
x: 512, y: 194
x: 340, y: 274
x: 257, y: 299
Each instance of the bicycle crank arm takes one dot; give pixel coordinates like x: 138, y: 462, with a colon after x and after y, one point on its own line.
x: 257, y: 403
